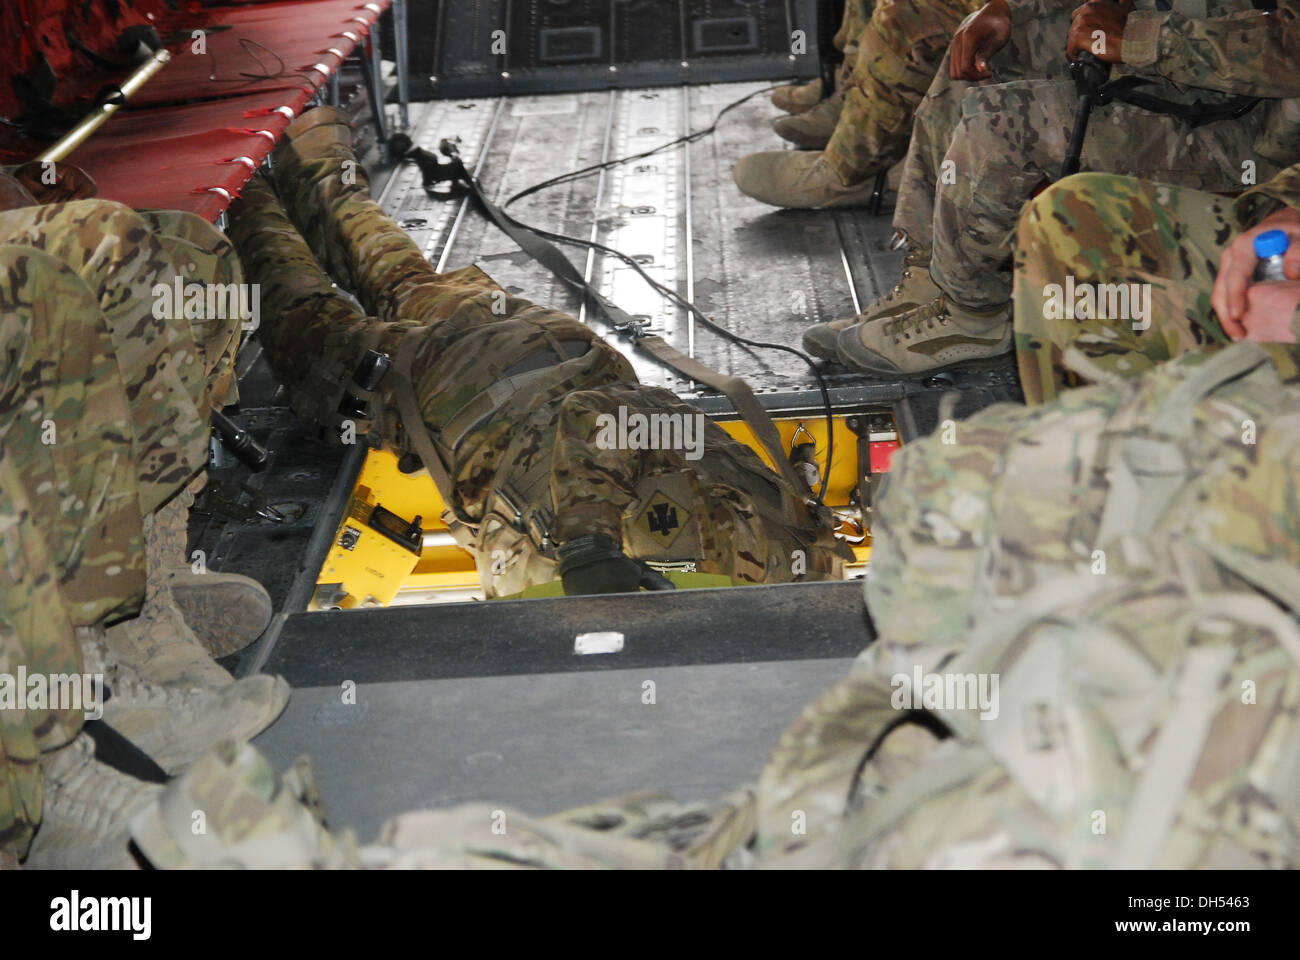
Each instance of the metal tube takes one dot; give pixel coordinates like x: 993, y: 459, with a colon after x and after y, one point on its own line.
x: 96, y: 118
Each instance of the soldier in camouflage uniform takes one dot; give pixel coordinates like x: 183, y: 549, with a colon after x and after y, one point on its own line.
x: 1099, y: 229
x: 979, y: 150
x: 1122, y: 561
x: 104, y: 417
x: 897, y: 54
x: 801, y: 98
x: 510, y: 393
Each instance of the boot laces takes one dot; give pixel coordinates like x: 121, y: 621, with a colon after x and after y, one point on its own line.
x: 916, y: 259
x: 928, y: 317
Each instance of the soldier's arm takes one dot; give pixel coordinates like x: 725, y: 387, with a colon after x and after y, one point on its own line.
x: 1252, y: 53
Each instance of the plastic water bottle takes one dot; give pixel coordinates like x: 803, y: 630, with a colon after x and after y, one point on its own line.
x: 1270, y: 248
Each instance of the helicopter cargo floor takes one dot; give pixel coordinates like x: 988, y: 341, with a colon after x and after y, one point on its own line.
x: 490, y: 701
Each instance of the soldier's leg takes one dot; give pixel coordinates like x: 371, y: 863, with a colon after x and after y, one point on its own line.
x: 113, y: 250
x: 932, y: 128
x: 314, y: 337
x: 225, y: 611
x: 857, y: 14
x: 36, y: 636
x: 866, y: 129
x: 898, y: 54
x: 933, y: 125
x: 1108, y: 229
x: 205, y: 255
x: 1012, y: 138
x: 326, y: 194
x: 799, y: 98
x: 71, y: 431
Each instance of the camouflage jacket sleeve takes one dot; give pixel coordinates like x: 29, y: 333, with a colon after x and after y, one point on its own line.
x: 1253, y: 52
x: 1258, y: 202
x: 1023, y: 11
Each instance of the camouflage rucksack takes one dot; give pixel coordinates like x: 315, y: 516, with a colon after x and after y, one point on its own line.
x: 1120, y: 562
x: 1205, y: 447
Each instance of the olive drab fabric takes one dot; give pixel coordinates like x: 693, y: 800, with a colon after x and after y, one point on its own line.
x: 511, y: 393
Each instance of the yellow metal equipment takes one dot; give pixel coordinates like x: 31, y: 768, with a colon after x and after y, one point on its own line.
x: 381, y: 554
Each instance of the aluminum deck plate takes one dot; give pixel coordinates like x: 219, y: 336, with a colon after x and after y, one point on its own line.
x: 762, y: 272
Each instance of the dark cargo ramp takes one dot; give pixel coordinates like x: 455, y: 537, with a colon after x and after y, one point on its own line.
x: 490, y: 701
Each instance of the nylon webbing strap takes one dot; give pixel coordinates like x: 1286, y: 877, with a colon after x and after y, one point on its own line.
x: 1195, y: 114
x: 738, y: 392
x: 735, y: 389
x: 413, y: 422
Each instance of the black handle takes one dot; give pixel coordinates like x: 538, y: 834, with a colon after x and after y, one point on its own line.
x: 239, y: 441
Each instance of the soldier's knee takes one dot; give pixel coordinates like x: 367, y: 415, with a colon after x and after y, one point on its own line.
x: 1038, y: 221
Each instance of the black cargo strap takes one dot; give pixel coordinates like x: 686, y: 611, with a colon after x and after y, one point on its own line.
x: 417, y: 434
x: 1195, y: 114
x: 735, y: 389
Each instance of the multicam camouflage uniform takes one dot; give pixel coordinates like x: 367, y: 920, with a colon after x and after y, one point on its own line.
x: 1118, y: 559
x: 898, y: 52
x: 1103, y: 229
x: 979, y: 150
x: 101, y: 261
x: 509, y: 391
x: 103, y: 417
x: 857, y: 14
x: 865, y: 127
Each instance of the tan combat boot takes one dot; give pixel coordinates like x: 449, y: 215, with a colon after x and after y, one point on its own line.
x: 914, y: 288
x: 937, y: 336
x: 813, y: 128
x: 175, y: 723
x: 797, y: 180
x: 798, y: 97
x: 226, y: 611
x: 87, y: 812
x: 187, y: 618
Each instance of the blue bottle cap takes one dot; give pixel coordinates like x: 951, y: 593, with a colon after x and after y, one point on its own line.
x: 1272, y: 243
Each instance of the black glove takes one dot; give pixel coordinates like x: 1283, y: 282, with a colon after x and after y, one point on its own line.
x: 595, y: 563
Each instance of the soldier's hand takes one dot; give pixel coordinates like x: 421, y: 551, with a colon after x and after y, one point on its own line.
x: 1270, y: 315
x: 977, y: 40
x: 1106, y: 17
x: 1233, y: 289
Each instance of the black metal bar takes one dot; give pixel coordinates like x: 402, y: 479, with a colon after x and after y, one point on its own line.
x: 782, y: 622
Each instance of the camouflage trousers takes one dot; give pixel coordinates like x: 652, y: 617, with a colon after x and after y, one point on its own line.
x: 857, y: 13
x: 103, y: 416
x: 980, y: 150
x: 516, y: 397
x: 898, y: 51
x: 1128, y: 239
x: 130, y: 370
